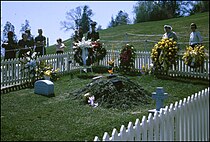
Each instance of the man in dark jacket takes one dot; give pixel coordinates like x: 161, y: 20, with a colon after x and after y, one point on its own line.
x: 93, y: 34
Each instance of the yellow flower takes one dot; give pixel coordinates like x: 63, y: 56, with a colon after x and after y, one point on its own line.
x: 48, y: 73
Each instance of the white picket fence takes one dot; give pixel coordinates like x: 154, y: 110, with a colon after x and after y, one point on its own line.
x: 186, y: 120
x: 11, y: 73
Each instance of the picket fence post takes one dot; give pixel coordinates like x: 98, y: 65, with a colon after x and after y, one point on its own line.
x: 137, y: 130
x: 150, y: 127
x: 123, y: 134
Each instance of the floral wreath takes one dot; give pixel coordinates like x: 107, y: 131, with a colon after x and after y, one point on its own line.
x: 194, y: 57
x: 95, y: 53
x: 164, y: 54
x: 127, y: 58
x: 37, y: 69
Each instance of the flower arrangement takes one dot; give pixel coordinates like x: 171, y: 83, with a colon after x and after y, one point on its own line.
x: 147, y: 69
x: 127, y: 58
x: 37, y: 69
x: 87, y: 52
x: 111, y: 66
x: 46, y: 71
x: 30, y: 63
x: 164, y: 54
x: 194, y: 57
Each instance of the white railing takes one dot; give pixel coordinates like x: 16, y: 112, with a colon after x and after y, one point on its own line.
x: 181, y: 69
x: 186, y: 120
x: 11, y: 73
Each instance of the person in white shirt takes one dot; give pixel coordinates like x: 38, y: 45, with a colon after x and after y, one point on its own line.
x: 195, y: 36
x: 169, y: 33
x: 60, y: 46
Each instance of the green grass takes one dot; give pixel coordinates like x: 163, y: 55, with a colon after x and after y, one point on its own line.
x: 27, y: 116
x: 180, y: 25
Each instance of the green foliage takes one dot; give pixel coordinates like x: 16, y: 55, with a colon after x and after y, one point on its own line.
x: 121, y: 19
x: 25, y: 26
x: 148, y: 10
x: 80, y: 16
x: 8, y: 27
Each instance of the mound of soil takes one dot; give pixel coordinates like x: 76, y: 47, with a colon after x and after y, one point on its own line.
x: 114, y: 91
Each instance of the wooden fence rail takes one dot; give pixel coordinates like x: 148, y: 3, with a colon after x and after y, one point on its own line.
x: 186, y: 120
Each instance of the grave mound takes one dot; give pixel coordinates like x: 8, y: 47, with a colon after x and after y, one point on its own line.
x: 114, y: 91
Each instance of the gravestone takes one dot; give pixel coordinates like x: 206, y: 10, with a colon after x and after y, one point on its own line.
x: 159, y: 96
x: 44, y: 87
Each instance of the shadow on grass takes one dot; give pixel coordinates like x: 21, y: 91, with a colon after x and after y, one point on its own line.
x: 195, y: 81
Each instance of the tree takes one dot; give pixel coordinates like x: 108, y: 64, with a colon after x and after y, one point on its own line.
x: 159, y: 10
x: 121, y: 19
x: 200, y: 6
x: 77, y: 17
x: 99, y: 28
x: 8, y: 27
x: 111, y: 23
x: 25, y: 26
x: 142, y: 11
x: 86, y: 20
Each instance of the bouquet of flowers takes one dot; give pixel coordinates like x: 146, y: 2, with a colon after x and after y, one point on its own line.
x: 81, y: 52
x: 87, y: 52
x: 46, y: 71
x: 30, y: 63
x: 147, y: 69
x: 194, y: 57
x: 111, y: 66
x: 99, y: 51
x: 164, y: 54
x: 127, y: 58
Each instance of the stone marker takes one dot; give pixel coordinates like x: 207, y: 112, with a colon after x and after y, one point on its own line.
x: 44, y: 87
x: 159, y: 96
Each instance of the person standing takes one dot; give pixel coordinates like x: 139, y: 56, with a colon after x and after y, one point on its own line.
x: 93, y: 34
x: 10, y: 46
x: 40, y: 43
x: 195, y: 36
x: 169, y: 33
x: 60, y: 46
x: 24, y: 45
x: 30, y: 38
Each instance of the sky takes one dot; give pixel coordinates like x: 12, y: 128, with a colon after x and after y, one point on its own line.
x: 47, y: 15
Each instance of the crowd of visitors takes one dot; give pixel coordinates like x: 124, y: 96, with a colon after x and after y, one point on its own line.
x: 38, y: 44
x: 25, y: 44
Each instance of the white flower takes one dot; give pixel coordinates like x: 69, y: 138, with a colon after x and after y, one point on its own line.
x: 151, y: 65
x: 28, y: 53
x: 33, y: 55
x: 91, y: 101
x: 84, y: 44
x: 28, y: 58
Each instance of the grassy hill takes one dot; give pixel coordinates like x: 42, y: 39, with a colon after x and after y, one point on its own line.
x: 114, y: 37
